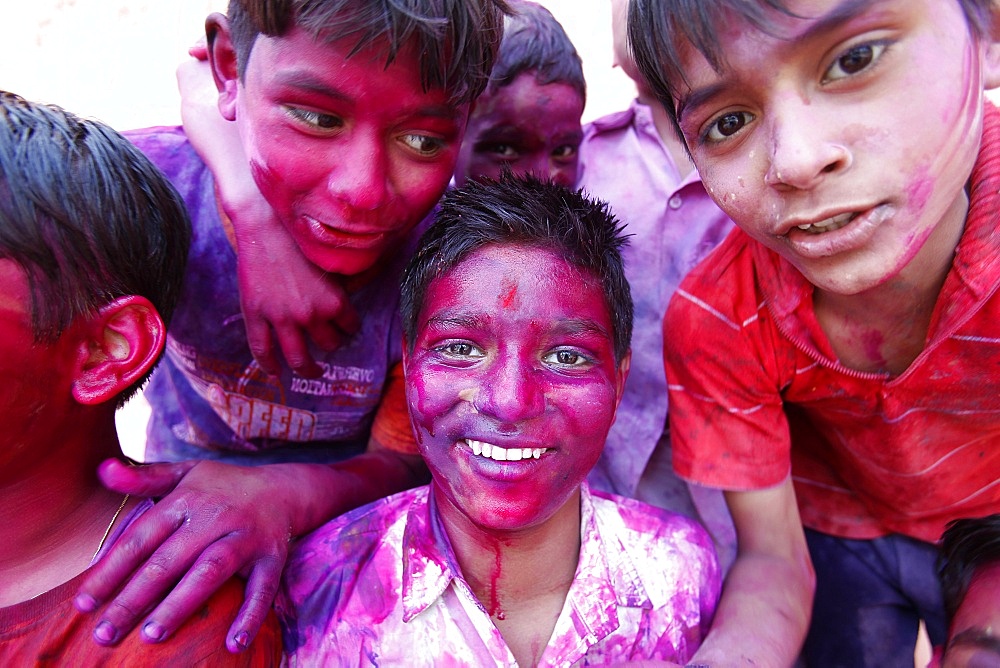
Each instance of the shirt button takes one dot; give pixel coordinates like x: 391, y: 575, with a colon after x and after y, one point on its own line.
x: 675, y: 202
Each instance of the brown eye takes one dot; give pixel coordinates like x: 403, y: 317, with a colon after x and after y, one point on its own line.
x: 727, y: 125
x: 855, y: 60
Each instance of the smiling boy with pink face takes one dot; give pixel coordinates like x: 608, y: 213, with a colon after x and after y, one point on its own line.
x: 517, y: 318
x: 846, y: 340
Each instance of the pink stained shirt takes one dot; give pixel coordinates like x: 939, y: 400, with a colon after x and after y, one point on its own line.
x: 756, y: 390
x: 381, y: 586
x: 674, y: 224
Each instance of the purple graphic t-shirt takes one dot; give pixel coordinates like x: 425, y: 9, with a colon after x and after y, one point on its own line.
x: 209, y: 398
x: 381, y: 586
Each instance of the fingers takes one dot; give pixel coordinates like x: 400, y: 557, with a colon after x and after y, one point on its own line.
x: 199, y: 50
x: 150, y: 480
x: 137, y: 544
x: 262, y: 587
x: 260, y: 341
x: 346, y: 317
x: 296, y: 351
x: 216, y: 565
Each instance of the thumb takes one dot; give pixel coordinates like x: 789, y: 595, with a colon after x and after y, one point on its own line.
x: 149, y: 480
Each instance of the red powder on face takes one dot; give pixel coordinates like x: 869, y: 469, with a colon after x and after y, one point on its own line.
x: 507, y: 298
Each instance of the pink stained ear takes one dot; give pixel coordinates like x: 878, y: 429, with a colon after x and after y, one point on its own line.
x: 222, y: 58
x: 118, y: 346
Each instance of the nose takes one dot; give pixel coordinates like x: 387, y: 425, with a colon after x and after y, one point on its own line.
x: 804, y: 147
x: 360, y: 177
x: 511, y: 391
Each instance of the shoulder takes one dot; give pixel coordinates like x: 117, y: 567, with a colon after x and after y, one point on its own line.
x: 609, y: 123
x: 201, y: 641
x: 723, y: 287
x: 642, y: 526
x: 169, y: 149
x: 345, y: 545
x: 157, y: 138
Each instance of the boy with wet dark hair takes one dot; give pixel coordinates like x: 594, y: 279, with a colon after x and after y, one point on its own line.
x: 970, y: 581
x: 350, y: 114
x: 93, y: 241
x: 517, y: 317
x: 834, y: 363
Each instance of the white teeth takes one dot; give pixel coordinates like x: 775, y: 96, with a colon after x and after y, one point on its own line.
x: 828, y: 225
x: 496, y: 453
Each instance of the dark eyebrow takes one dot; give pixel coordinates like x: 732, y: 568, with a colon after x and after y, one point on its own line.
x: 576, y: 326
x: 844, y: 12
x: 976, y: 638
x: 305, y: 81
x: 836, y: 17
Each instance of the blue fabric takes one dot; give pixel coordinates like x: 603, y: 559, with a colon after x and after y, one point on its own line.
x: 870, y: 598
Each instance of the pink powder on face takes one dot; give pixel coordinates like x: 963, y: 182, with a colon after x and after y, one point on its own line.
x: 519, y: 356
x: 350, y: 153
x: 525, y: 127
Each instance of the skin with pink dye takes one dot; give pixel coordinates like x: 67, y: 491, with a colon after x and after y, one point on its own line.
x: 526, y: 127
x: 803, y: 140
x: 514, y: 350
x: 808, y: 126
x: 514, y: 353
x: 349, y: 153
x: 974, y: 639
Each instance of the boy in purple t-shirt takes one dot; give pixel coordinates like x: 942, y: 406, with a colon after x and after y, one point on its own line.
x: 350, y: 114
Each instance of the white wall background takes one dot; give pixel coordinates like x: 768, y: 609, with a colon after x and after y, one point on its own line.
x: 115, y: 59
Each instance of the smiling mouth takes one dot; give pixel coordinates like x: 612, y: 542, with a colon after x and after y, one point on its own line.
x: 496, y: 453
x: 828, y: 225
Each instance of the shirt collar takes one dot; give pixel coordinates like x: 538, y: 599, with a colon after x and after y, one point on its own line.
x: 606, y: 577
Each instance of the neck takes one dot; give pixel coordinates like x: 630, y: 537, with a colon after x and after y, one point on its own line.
x: 505, y: 571
x: 885, y: 328
x: 54, y: 511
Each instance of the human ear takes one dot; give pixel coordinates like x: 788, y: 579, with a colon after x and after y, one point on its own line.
x: 991, y: 50
x: 117, y: 347
x: 222, y: 59
x: 621, y: 375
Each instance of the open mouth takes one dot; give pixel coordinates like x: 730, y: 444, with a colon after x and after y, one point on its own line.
x: 496, y: 453
x: 828, y: 225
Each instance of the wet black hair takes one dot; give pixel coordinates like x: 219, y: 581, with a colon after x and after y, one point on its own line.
x: 529, y: 211
x: 86, y: 216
